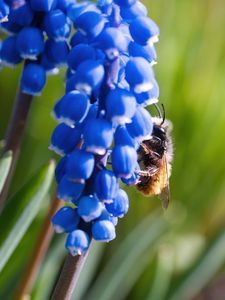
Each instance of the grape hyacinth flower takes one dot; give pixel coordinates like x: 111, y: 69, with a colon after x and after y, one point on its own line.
x: 38, y: 32
x: 103, y: 116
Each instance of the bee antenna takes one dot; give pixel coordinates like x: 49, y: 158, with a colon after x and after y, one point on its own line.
x: 164, y: 113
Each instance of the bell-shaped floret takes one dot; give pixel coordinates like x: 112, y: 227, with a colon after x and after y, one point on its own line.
x: 89, y: 208
x: 43, y: 5
x: 120, y: 204
x: 134, y: 11
x: 80, y: 165
x: 9, y: 54
x: 48, y: 65
x: 72, y: 108
x: 66, y: 219
x: 33, y: 79
x: 97, y: 135
x: 77, y: 242
x: 77, y: 39
x: 124, y: 159
x: 106, y: 185
x: 141, y: 126
x: 57, y: 51
x: 144, y: 31
x: 74, y: 10
x: 103, y: 231
x: 4, y: 11
x: 113, y: 42
x: 65, y: 139
x: 148, y: 52
x: 125, y: 3
x: 80, y: 53
x: 21, y: 13
x: 56, y: 25
x: 120, y: 106
x: 30, y: 42
x: 10, y: 27
x: 122, y: 137
x: 149, y: 97
x: 90, y: 24
x: 68, y: 190
x: 60, y: 169
x: 105, y: 215
x: 134, y: 178
x: 139, y: 74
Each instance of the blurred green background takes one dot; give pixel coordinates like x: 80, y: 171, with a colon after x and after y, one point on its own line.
x: 178, y: 254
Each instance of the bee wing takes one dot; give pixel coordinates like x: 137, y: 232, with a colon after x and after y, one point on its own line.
x: 165, y: 193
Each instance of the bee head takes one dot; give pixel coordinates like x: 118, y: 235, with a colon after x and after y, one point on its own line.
x: 159, y: 131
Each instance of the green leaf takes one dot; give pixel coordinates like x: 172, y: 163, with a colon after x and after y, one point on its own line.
x: 117, y: 273
x: 21, y: 210
x: 202, y: 272
x: 5, y: 163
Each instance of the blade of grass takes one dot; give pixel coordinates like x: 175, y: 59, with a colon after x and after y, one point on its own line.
x: 5, y: 163
x: 126, y: 258
x: 22, y: 209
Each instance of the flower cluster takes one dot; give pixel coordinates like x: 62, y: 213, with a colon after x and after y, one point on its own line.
x: 37, y: 33
x: 102, y: 116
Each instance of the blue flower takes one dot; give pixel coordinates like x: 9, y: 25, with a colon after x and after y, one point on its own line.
x: 97, y: 135
x: 72, y: 108
x: 4, y: 11
x: 30, y: 42
x: 80, y: 53
x: 124, y: 159
x: 103, y: 231
x: 106, y: 185
x: 68, y: 190
x: 77, y: 242
x: 56, y: 25
x: 9, y: 54
x: 65, y: 139
x: 33, y: 79
x: 144, y: 31
x: 120, y: 106
x: 65, y: 220
x: 120, y: 204
x: 21, y: 13
x: 80, y: 165
x: 89, y: 208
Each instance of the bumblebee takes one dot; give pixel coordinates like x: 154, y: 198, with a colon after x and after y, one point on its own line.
x: 155, y: 156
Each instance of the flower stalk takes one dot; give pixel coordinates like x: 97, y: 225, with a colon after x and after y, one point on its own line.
x: 14, y: 136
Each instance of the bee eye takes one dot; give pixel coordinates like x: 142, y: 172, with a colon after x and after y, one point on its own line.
x: 159, y: 132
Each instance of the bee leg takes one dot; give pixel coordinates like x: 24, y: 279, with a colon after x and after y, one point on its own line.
x: 148, y: 172
x: 145, y: 148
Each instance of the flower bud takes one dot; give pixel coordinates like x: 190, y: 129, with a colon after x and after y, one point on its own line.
x: 65, y: 220
x: 124, y: 159
x: 120, y: 106
x: 97, y: 135
x: 144, y: 31
x: 9, y: 54
x: 79, y: 54
x: 68, y: 190
x: 141, y: 126
x: 77, y: 242
x: 120, y: 204
x: 30, y: 42
x: 43, y: 5
x: 33, y: 79
x: 21, y: 14
x: 57, y: 51
x: 103, y: 231
x: 80, y: 165
x: 134, y: 11
x: 106, y: 185
x: 89, y: 208
x: 65, y: 139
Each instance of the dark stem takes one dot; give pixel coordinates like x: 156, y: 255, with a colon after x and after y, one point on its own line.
x: 14, y: 136
x: 69, y: 277
x: 39, y: 252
